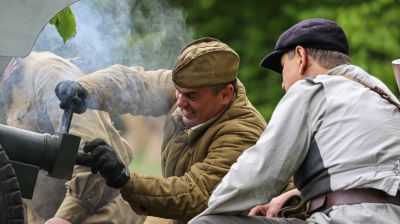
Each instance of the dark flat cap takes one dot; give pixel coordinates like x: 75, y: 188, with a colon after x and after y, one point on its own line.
x: 311, y: 33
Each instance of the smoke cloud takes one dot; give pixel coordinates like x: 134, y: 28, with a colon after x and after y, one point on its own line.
x: 149, y: 33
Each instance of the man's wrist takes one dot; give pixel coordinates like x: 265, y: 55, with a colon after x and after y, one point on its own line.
x: 121, y: 180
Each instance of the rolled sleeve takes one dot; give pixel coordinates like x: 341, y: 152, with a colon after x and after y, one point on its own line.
x: 130, y: 90
x: 86, y: 193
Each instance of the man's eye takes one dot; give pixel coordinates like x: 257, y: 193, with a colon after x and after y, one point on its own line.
x: 192, y: 96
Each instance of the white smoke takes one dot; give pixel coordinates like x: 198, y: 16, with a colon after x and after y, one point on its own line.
x: 149, y: 33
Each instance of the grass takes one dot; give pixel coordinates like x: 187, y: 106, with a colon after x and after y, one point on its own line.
x: 142, y: 165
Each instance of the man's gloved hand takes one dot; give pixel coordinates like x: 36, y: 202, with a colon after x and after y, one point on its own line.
x: 103, y: 159
x: 72, y: 94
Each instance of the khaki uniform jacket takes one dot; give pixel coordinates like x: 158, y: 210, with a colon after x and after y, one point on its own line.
x: 193, y: 160
x: 31, y: 104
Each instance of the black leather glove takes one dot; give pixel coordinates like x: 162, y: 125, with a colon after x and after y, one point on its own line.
x: 103, y: 159
x: 72, y: 95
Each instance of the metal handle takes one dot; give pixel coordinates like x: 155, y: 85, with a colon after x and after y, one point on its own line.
x: 66, y: 120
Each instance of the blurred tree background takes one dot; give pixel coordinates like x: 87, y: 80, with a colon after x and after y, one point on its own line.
x: 252, y: 27
x: 158, y: 29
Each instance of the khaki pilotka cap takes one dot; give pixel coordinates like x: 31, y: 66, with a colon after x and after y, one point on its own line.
x: 205, y: 62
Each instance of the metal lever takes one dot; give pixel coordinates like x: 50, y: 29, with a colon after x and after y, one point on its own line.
x: 66, y: 120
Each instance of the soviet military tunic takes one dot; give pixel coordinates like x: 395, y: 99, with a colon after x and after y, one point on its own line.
x: 193, y: 160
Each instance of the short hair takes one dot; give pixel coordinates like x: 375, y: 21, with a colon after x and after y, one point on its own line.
x: 218, y: 87
x: 326, y: 58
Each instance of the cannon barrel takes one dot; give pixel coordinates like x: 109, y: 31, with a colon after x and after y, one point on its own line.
x: 29, y: 147
x: 30, y: 151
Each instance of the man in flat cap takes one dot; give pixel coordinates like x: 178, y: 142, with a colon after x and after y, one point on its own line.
x: 336, y: 131
x: 209, y: 123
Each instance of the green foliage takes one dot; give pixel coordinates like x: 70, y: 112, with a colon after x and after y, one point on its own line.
x: 252, y: 28
x: 373, y: 33
x: 65, y: 24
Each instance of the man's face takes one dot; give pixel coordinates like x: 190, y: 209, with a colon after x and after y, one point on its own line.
x: 290, y: 71
x: 198, y: 105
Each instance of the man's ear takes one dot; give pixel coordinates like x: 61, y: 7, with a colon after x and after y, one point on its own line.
x: 227, y: 94
x: 301, y: 56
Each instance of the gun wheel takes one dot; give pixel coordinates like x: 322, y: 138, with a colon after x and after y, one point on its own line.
x: 11, y: 209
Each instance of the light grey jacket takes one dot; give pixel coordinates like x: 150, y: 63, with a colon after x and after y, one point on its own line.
x: 337, y: 134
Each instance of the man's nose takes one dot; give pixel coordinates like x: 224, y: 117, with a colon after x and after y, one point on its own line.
x: 181, y: 101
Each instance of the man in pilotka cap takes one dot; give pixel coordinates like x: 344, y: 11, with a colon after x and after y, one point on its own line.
x: 336, y: 131
x: 209, y: 123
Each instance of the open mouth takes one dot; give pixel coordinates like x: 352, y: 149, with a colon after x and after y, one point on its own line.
x: 187, y: 113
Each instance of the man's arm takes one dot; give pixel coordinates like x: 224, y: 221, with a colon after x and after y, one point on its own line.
x: 186, y: 196
x: 176, y: 197
x: 130, y: 90
x: 86, y: 192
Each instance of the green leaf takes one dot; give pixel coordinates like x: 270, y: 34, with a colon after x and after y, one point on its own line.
x: 65, y: 24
